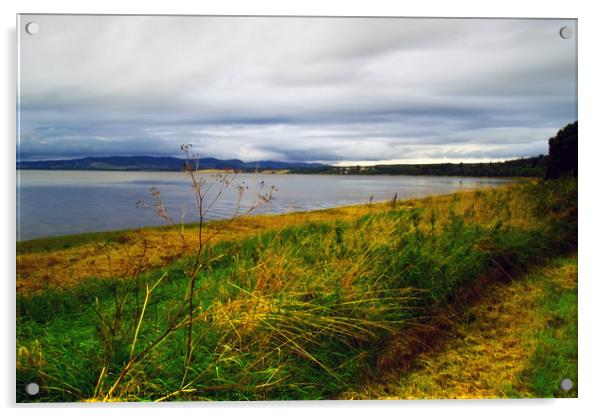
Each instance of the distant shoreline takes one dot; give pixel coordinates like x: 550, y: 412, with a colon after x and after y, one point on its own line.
x: 524, y: 167
x: 288, y: 172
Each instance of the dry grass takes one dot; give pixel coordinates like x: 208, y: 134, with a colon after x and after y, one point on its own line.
x: 305, y: 308
x: 148, y: 248
x: 486, y: 356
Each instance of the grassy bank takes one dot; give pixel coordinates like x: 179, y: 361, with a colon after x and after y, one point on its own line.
x: 517, y: 339
x: 301, y: 308
x: 67, y: 260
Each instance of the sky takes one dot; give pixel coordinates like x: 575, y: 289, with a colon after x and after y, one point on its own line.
x: 331, y: 90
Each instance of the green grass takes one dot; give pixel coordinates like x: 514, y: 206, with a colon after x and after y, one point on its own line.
x: 513, y: 338
x: 555, y: 357
x: 298, y: 313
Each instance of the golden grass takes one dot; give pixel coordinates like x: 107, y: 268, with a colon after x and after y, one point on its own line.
x: 147, y: 248
x: 273, y: 313
x: 150, y: 248
x: 484, y: 357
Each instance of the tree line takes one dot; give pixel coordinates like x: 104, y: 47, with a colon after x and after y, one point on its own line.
x: 561, y: 161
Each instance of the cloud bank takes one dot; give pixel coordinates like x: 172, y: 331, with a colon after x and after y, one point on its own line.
x: 334, y: 90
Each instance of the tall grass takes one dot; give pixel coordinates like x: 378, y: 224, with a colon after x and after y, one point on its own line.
x: 297, y: 313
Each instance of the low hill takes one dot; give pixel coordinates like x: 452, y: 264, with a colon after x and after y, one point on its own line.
x: 525, y: 167
x: 149, y: 163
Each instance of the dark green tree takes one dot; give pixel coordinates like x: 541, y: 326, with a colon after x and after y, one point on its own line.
x: 562, y: 160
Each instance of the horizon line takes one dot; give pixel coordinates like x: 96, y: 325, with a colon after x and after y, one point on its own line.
x: 343, y: 163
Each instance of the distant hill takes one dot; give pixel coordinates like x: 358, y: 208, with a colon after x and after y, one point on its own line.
x: 149, y: 163
x: 525, y: 167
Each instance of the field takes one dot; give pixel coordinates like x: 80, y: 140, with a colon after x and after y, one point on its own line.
x: 465, y: 295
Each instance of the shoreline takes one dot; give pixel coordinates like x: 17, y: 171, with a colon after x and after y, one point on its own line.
x: 376, y: 203
x: 288, y: 172
x: 67, y: 260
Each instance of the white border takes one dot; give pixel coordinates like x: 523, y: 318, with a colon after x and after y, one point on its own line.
x: 590, y: 24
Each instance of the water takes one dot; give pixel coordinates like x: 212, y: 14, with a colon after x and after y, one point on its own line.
x: 51, y: 203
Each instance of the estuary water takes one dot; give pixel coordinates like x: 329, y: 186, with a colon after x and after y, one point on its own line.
x: 52, y: 203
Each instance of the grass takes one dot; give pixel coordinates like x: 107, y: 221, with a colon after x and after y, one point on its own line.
x: 67, y: 260
x: 301, y: 308
x: 517, y: 339
x: 555, y: 355
x: 49, y: 244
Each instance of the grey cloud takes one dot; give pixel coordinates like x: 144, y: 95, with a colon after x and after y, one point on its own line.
x: 295, y: 88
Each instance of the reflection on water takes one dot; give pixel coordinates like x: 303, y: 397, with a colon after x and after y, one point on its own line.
x: 66, y: 202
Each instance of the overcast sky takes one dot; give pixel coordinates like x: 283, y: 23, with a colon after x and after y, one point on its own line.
x: 334, y: 90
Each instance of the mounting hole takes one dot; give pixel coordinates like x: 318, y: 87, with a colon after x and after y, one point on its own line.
x: 32, y: 389
x: 32, y: 28
x: 566, y: 32
x: 566, y: 384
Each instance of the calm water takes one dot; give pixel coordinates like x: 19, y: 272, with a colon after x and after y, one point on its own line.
x: 53, y: 203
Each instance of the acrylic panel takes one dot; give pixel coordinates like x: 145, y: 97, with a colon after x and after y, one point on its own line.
x: 240, y: 208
